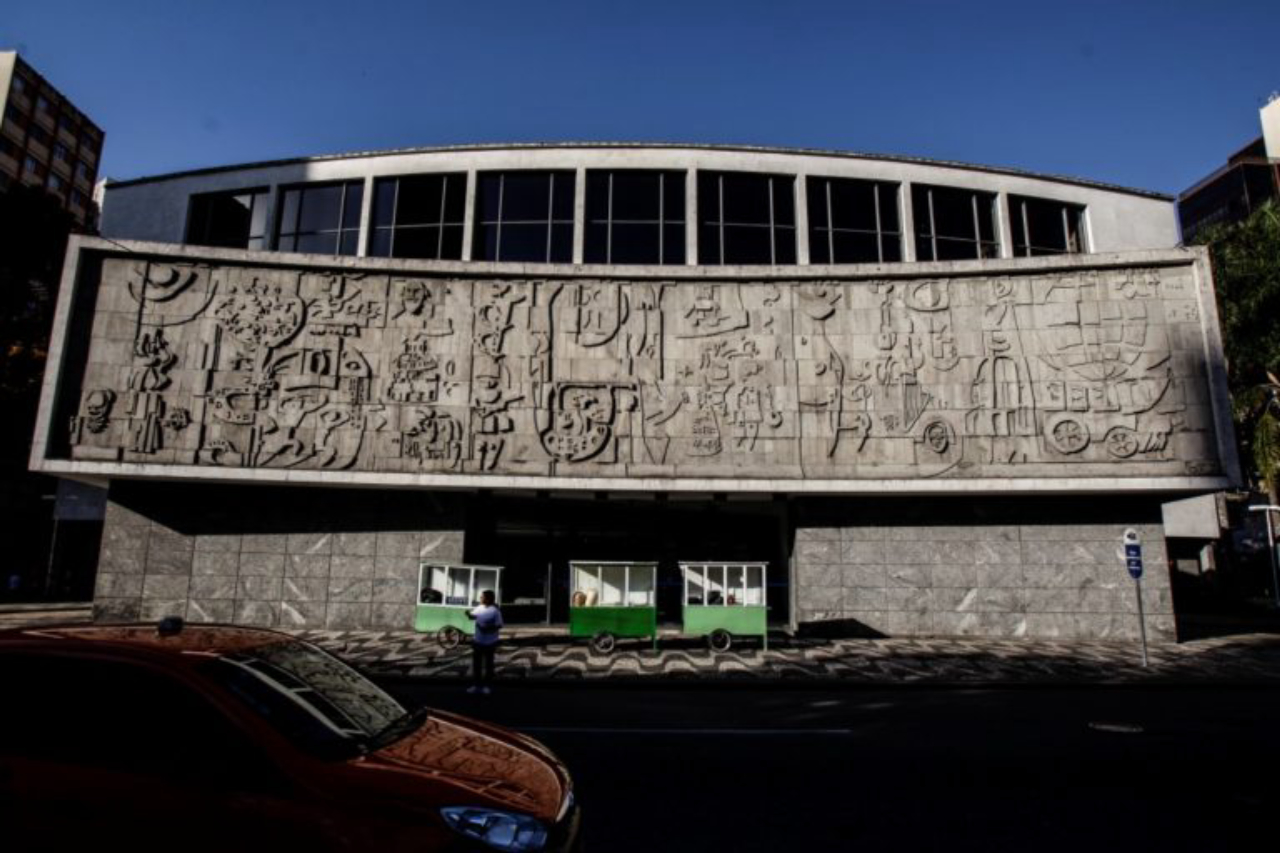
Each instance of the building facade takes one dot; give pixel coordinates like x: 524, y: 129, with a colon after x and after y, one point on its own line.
x: 1250, y: 178
x: 930, y: 397
x: 45, y: 140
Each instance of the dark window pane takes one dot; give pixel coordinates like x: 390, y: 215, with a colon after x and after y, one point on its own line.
x: 673, y: 244
x: 892, y: 248
x: 417, y: 242
x: 784, y: 201
x: 486, y: 247
x: 986, y: 216
x: 1015, y: 226
x: 523, y: 243
x: 562, y: 207
x: 747, y: 245
x: 597, y: 196
x: 258, y: 219
x: 853, y: 205
x: 953, y: 214
x: 286, y: 244
x: 746, y: 199
x: 636, y: 196
x: 819, y: 246
x: 888, y: 207
x: 817, y: 193
x: 289, y: 212
x: 709, y: 245
x: 350, y: 243
x: 708, y: 197
x: 487, y: 198
x: 635, y: 244
x: 855, y: 247
x: 924, y: 247
x: 784, y: 245
x: 384, y: 200
x: 380, y: 243
x: 455, y: 201
x: 673, y: 196
x: 526, y: 197
x: 956, y: 250
x: 421, y: 200
x: 321, y: 207
x: 595, y: 248
x: 226, y: 219
x: 451, y: 246
x: 561, y: 244
x: 351, y: 210
x: 320, y: 244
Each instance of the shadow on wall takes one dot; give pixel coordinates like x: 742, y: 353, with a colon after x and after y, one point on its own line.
x: 191, y: 509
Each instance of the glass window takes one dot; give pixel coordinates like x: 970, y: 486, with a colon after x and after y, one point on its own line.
x: 32, y: 165
x: 1043, y: 227
x: 322, y: 219
x: 54, y: 182
x: 419, y: 216
x: 42, y: 104
x: 954, y: 224
x: 20, y: 83
x: 853, y: 222
x: 746, y: 218
x: 39, y: 134
x: 15, y: 115
x: 60, y: 152
x: 524, y: 216
x: 84, y: 172
x: 635, y: 217
x: 233, y: 220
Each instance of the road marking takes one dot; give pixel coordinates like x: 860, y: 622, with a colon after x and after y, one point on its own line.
x: 1118, y: 728
x: 574, y: 730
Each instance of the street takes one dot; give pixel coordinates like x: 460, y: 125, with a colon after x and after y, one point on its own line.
x: 789, y: 768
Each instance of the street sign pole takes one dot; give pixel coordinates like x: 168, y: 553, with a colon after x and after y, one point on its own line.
x: 1132, y: 556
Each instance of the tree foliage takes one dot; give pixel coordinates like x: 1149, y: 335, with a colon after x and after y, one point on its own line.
x: 1246, y: 268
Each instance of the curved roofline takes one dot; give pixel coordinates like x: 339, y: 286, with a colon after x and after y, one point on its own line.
x: 765, y: 149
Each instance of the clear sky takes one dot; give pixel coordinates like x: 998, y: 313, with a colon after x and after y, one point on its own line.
x: 1145, y: 94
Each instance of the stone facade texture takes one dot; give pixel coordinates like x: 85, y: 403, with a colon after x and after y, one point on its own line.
x: 1058, y: 580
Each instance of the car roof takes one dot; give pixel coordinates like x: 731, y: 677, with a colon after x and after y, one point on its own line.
x: 213, y: 640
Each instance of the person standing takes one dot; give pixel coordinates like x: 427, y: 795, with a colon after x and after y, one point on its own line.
x: 484, y: 643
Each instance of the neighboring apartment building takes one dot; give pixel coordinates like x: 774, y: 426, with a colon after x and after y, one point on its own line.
x: 45, y: 140
x: 1250, y: 178
x: 929, y: 396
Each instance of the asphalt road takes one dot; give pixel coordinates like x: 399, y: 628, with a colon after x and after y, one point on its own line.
x: 703, y: 768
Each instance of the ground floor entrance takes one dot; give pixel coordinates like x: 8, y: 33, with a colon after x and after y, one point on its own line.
x: 536, y: 538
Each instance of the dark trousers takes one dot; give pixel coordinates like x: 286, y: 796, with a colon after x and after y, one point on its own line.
x: 482, y: 662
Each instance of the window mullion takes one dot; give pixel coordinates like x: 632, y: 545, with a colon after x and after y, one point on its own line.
x: 551, y: 199
x: 875, y: 194
x: 831, y: 224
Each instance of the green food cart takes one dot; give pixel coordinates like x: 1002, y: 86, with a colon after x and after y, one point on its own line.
x: 725, y: 600
x: 446, y: 592
x: 608, y: 600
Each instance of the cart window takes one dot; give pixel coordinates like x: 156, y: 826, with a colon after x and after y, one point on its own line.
x: 697, y: 585
x: 487, y: 579
x: 459, y: 589
x: 434, y: 583
x: 755, y: 586
x: 586, y: 581
x: 613, y: 582
x: 736, y: 585
x: 715, y: 584
x: 641, y: 590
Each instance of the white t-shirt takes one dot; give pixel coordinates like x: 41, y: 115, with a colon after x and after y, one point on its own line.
x: 488, y: 622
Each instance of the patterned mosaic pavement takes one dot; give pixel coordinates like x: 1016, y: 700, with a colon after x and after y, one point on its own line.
x: 553, y: 657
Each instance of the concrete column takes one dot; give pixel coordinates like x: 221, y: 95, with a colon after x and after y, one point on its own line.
x: 469, y: 215
x: 579, y: 214
x: 691, y: 217
x: 1004, y: 229
x: 802, y: 219
x: 366, y: 218
x: 907, y: 222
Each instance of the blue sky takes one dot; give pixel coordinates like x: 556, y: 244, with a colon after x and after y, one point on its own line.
x: 1145, y: 94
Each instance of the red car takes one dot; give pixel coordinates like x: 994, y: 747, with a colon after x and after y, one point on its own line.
x: 233, y: 739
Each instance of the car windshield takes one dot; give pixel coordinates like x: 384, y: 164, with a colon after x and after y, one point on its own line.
x: 317, y: 701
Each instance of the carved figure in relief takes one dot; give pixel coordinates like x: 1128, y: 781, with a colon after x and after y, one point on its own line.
x: 260, y: 314
x: 582, y: 420
x: 1003, y: 404
x: 96, y: 416
x: 342, y: 303
x: 716, y: 309
x: 157, y: 360
x: 422, y: 302
x: 435, y: 438
x: 600, y: 312
x: 417, y: 372
x: 844, y: 401
x: 171, y: 294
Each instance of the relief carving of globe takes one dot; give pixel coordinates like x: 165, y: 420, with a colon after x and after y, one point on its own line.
x: 261, y: 315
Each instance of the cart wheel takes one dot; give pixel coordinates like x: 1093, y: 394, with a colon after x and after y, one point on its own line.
x: 603, y: 643
x: 720, y: 640
x: 449, y: 637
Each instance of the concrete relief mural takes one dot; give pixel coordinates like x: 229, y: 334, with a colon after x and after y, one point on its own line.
x: 1091, y: 373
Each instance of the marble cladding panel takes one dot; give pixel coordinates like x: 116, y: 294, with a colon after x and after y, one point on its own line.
x: 1055, y: 371
x: 1032, y: 580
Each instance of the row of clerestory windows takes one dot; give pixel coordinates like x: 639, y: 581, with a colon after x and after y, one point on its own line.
x: 633, y: 217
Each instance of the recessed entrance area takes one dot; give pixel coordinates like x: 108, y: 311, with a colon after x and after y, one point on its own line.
x: 535, y: 538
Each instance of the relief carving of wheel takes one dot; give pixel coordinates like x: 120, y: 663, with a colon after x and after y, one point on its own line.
x: 604, y: 643
x: 1122, y: 442
x: 1069, y: 436
x: 720, y: 640
x: 449, y: 637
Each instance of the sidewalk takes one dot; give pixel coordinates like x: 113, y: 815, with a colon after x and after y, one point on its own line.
x: 549, y: 656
